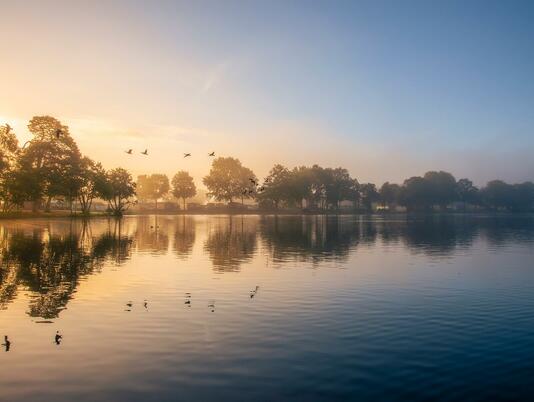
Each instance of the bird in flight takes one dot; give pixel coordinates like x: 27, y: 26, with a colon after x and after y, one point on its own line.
x: 129, y: 152
x: 145, y: 152
x: 211, y: 154
x: 186, y: 155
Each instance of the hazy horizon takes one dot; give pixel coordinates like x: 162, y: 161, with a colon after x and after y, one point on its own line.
x: 384, y: 89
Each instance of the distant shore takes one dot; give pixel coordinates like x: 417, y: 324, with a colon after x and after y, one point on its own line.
x: 69, y: 215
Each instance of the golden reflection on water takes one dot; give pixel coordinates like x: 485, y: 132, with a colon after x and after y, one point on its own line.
x: 314, y: 274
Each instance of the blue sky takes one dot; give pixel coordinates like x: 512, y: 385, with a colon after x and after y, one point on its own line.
x: 388, y: 89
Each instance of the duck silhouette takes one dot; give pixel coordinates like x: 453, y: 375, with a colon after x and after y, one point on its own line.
x: 211, y: 154
x: 7, y: 343
x: 129, y: 152
x: 145, y: 152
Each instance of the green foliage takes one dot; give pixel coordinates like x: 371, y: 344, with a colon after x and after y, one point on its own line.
x: 118, y: 189
x: 228, y: 179
x: 8, y: 160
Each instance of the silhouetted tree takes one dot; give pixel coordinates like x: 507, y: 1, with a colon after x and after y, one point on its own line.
x: 92, y: 183
x: 415, y: 194
x: 183, y: 186
x: 276, y: 186
x: 118, y: 190
x: 8, y: 159
x: 441, y: 187
x: 152, y: 187
x: 369, y: 195
x: 52, y: 157
x: 226, y: 179
x: 390, y: 194
x: 467, y: 192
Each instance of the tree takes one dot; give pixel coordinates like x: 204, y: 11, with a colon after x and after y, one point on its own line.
x: 276, y: 186
x: 389, y: 194
x: 152, y: 187
x: 50, y: 157
x: 8, y: 159
x: 415, y: 194
x: 339, y: 186
x: 248, y: 183
x: 183, y: 186
x: 300, y: 185
x: 226, y: 179
x: 92, y: 183
x: 369, y: 195
x: 513, y: 197
x: 467, y: 193
x: 118, y: 190
x: 442, y: 188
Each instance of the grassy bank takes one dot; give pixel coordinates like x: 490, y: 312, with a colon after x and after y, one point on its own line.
x: 42, y: 214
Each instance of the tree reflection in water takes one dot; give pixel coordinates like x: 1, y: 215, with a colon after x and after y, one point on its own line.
x: 231, y: 242
x: 51, y: 265
x: 184, y: 235
x: 309, y: 238
x: 49, y: 260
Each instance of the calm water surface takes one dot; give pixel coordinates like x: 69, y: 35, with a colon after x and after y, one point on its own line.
x: 362, y: 308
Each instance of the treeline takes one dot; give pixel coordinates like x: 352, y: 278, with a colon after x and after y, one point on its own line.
x: 318, y: 188
x: 50, y: 166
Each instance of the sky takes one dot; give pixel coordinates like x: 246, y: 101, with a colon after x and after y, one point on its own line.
x: 386, y: 89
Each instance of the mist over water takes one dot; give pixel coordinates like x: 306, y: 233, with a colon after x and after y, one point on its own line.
x: 166, y: 308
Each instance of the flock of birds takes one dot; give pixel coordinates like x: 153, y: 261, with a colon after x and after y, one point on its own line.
x: 211, y: 306
x: 246, y: 191
x: 145, y: 152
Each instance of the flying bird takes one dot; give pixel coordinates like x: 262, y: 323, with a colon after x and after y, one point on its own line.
x: 129, y: 152
x: 145, y: 152
x: 211, y: 154
x: 186, y: 155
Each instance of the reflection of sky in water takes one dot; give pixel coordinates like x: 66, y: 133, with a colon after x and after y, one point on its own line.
x: 380, y: 308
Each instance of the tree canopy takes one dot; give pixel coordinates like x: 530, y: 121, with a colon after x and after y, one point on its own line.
x: 183, y: 186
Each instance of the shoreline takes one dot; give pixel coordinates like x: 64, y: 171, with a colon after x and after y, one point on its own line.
x: 67, y: 215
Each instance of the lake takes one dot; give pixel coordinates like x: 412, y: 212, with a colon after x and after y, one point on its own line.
x: 168, y: 308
